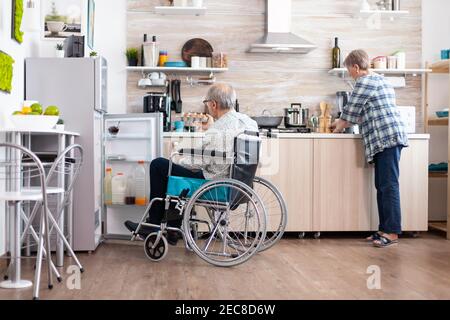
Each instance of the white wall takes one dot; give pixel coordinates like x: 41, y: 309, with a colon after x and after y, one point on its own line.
x: 109, y: 42
x: 10, y: 102
x: 436, y: 36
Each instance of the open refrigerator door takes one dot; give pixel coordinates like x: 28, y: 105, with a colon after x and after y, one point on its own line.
x: 131, y: 142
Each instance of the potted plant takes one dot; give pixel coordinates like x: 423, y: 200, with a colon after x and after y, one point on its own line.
x: 93, y: 54
x: 59, y: 50
x: 132, y: 56
x: 60, y: 125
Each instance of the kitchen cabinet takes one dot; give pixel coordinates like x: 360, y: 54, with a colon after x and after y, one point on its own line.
x: 328, y: 185
x: 288, y: 164
x: 342, y: 186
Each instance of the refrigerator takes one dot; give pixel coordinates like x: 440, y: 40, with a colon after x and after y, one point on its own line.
x: 78, y: 86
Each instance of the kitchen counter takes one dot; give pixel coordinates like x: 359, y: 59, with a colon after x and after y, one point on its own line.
x: 293, y: 135
x: 306, y: 167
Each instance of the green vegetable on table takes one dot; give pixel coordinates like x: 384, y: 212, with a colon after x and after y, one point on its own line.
x: 6, y: 72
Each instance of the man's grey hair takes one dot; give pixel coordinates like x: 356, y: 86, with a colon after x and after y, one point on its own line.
x: 223, y: 94
x: 359, y: 58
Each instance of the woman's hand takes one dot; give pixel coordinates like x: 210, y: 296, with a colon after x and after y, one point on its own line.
x: 208, y: 124
x: 339, y: 125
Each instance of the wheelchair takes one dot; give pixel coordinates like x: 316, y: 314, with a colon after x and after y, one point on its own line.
x: 224, y: 221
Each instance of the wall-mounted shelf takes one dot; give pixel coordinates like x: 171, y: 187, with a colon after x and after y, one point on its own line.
x: 438, y: 174
x: 391, y: 14
x: 438, y: 122
x: 169, y: 10
x: 177, y: 70
x: 441, y: 66
x: 342, y: 72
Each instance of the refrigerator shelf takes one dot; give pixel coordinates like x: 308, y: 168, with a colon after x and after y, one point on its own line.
x: 127, y: 137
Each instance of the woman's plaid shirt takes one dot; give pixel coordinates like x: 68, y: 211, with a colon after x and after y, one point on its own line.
x: 373, y: 106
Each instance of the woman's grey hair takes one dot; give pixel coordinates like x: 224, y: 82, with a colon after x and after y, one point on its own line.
x: 223, y: 94
x: 359, y: 58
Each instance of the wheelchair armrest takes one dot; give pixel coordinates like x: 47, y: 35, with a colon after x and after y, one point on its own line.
x: 204, y: 153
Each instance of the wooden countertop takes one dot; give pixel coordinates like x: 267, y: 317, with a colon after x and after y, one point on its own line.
x: 294, y: 135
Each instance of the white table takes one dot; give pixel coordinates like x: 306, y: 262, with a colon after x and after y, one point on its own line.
x: 61, y: 140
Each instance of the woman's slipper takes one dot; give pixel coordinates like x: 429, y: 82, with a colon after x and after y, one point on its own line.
x: 384, y: 242
x: 375, y: 236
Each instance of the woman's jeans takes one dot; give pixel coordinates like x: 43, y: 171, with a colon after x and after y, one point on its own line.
x: 159, y: 171
x: 388, y: 191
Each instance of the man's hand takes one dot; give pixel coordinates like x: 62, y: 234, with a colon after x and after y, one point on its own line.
x: 339, y: 125
x: 208, y: 124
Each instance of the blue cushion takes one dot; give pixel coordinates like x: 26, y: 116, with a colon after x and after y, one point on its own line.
x: 176, y: 185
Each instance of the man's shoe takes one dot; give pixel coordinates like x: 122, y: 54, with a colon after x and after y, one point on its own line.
x: 144, y: 231
x: 172, y: 237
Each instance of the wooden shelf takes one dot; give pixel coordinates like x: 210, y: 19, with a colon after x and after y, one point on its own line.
x: 438, y: 122
x: 177, y: 70
x: 169, y: 10
x: 438, y: 174
x: 343, y: 71
x: 383, y: 13
x: 441, y: 66
x: 441, y: 226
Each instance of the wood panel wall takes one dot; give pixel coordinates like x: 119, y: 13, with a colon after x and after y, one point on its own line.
x: 273, y: 81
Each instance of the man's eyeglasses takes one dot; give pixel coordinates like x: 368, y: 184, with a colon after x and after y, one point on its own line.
x: 205, y: 102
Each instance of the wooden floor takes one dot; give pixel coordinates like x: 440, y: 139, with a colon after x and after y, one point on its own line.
x: 330, y: 268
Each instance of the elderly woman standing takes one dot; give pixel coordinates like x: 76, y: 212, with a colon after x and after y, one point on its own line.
x: 373, y: 106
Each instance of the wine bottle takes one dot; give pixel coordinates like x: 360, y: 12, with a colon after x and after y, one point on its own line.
x: 336, y: 54
x: 142, y: 51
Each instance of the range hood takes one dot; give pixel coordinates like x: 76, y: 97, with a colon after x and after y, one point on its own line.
x: 278, y: 37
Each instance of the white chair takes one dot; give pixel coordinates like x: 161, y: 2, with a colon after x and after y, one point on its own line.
x: 13, y: 169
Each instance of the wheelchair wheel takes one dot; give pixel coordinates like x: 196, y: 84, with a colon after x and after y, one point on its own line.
x: 237, y: 218
x: 276, y: 210
x: 155, y: 250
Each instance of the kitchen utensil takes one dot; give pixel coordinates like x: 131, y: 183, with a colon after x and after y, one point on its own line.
x: 267, y: 120
x: 396, y: 5
x: 380, y: 62
x: 34, y: 123
x: 197, y: 3
x: 401, y: 59
x: 196, y: 47
x: 144, y: 82
x: 392, y: 62
x: 180, y: 3
x: 195, y: 62
x: 176, y: 64
x: 296, y: 116
x: 179, y: 106
x: 203, y: 62
x: 442, y: 114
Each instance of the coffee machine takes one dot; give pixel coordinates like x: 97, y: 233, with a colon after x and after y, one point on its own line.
x: 155, y: 102
x: 342, y: 99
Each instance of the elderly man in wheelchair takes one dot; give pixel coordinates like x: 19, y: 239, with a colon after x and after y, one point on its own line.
x: 205, y: 194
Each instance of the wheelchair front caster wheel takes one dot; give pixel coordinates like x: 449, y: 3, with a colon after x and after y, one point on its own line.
x: 156, y: 250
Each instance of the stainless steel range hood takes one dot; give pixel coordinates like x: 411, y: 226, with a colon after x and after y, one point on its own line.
x: 278, y: 37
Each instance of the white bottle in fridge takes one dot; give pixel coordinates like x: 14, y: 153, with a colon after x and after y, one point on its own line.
x: 108, y: 187
x: 140, y: 176
x: 119, y: 189
x: 151, y: 53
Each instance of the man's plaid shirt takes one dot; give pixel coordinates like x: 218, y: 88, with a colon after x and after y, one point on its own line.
x: 373, y: 106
